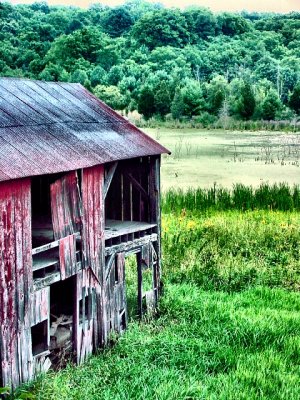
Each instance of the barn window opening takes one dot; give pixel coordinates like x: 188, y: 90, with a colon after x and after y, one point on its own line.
x: 39, y: 335
x: 42, y: 227
x: 131, y: 286
x: 85, y: 308
x: 62, y: 308
x: 127, y: 202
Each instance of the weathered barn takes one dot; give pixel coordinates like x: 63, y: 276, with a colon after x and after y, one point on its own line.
x: 79, y: 191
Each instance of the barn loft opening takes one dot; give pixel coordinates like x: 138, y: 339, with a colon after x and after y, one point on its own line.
x: 127, y: 196
x: 42, y: 228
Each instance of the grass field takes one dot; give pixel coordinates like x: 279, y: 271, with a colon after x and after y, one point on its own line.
x: 229, y: 321
x: 202, y: 157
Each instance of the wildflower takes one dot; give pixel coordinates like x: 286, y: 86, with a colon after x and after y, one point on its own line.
x: 191, y: 225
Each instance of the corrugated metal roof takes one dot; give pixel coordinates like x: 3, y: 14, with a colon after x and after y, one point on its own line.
x: 50, y: 127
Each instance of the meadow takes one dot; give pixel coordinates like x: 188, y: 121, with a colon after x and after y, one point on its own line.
x: 228, y: 324
x: 202, y: 157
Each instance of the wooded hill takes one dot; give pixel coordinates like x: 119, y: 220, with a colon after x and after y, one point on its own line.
x: 159, y: 61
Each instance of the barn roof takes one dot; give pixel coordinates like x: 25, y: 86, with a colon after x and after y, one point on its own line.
x: 49, y: 127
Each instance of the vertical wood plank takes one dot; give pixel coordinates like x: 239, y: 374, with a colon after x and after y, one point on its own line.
x: 93, y: 252
x: 65, y: 205
x: 15, y: 280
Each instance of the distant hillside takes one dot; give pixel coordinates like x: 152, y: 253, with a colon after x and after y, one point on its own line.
x: 161, y: 62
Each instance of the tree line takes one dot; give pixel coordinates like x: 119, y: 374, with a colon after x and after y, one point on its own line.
x: 161, y: 62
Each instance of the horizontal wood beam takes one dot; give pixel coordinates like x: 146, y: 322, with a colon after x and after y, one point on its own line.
x: 132, y: 246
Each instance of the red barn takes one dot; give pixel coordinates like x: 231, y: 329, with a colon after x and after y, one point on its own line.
x: 79, y: 191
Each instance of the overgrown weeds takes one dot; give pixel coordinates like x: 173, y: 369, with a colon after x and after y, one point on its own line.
x: 266, y: 197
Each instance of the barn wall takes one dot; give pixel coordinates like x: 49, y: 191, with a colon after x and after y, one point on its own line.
x: 15, y: 281
x: 93, y: 253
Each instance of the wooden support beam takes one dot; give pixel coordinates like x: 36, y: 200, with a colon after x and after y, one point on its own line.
x: 137, y: 185
x: 109, y: 177
x: 139, y: 285
x: 131, y: 246
x: 109, y: 265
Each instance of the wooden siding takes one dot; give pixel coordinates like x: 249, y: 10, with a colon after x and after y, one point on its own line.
x: 15, y: 281
x: 93, y: 219
x: 65, y: 206
x: 93, y: 246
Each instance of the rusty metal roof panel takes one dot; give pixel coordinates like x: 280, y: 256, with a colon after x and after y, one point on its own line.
x: 49, y: 127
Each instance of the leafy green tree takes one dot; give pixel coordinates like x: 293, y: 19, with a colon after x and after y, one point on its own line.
x: 294, y: 101
x: 117, y: 21
x: 177, y: 106
x: 163, y: 98
x: 161, y: 28
x: 112, y: 96
x: 246, y: 102
x: 83, y: 43
x: 115, y: 75
x: 79, y: 76
x: 201, y: 23
x: 232, y: 24
x: 216, y: 92
x: 98, y: 76
x: 146, y: 102
x: 193, y: 100
x: 54, y: 72
x: 271, y: 105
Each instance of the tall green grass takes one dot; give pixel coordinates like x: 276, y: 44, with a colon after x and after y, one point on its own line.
x: 266, y: 197
x: 228, y: 326
x: 232, y: 250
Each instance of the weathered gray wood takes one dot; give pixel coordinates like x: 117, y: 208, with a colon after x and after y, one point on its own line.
x: 132, y: 246
x: 114, y: 228
x: 139, y: 284
x: 51, y: 245
x: 109, y: 177
x: 109, y: 265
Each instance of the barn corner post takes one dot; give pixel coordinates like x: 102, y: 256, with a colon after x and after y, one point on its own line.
x: 155, y: 217
x: 15, y: 282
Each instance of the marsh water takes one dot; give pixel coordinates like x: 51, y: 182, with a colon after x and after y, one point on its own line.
x: 207, y: 157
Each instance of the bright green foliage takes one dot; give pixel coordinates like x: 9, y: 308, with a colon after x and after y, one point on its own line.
x: 192, y: 96
x: 112, y: 96
x: 280, y: 197
x: 271, y: 105
x: 216, y: 92
x: 144, y: 44
x: 162, y: 28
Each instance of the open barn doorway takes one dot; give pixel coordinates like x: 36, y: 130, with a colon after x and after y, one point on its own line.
x: 62, y: 311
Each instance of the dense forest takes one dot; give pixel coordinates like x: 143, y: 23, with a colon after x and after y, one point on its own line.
x: 165, y: 63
